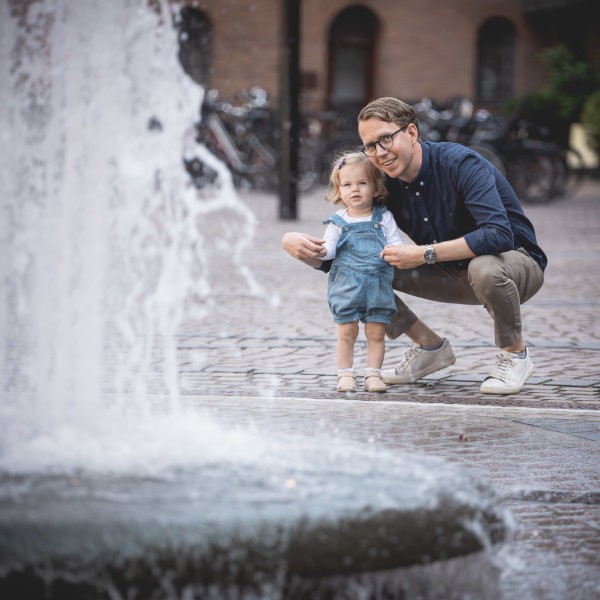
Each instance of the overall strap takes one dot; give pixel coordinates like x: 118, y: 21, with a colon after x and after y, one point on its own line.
x: 337, y: 220
x: 378, y: 210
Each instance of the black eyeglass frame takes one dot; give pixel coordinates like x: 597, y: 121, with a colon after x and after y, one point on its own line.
x: 379, y: 142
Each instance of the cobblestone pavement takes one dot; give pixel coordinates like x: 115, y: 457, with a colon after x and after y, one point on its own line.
x: 266, y: 357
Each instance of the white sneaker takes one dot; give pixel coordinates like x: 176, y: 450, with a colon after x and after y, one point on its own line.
x: 418, y: 362
x: 509, y: 375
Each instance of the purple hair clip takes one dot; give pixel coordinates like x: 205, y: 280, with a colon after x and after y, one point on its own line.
x: 341, y: 162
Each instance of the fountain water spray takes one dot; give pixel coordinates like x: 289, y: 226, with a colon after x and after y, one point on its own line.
x: 105, y: 243
x: 107, y: 485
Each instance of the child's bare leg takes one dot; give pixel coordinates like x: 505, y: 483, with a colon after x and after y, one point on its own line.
x: 375, y: 334
x: 347, y: 334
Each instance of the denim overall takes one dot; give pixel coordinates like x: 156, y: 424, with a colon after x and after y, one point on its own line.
x: 360, y: 282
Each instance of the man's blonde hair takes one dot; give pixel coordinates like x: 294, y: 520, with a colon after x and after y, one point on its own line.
x: 380, y: 192
x: 390, y: 110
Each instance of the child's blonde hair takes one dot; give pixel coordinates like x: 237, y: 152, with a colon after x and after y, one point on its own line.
x: 373, y: 173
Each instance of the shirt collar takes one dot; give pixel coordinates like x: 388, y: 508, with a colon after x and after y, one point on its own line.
x: 421, y: 177
x: 425, y: 162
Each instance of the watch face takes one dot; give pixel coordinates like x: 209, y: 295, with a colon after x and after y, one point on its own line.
x: 430, y: 256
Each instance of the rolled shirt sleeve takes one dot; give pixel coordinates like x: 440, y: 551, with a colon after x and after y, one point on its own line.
x: 478, y: 185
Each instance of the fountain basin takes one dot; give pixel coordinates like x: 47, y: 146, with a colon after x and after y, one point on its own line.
x: 240, y: 531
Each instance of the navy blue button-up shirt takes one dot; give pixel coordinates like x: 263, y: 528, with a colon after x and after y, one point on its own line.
x: 457, y: 193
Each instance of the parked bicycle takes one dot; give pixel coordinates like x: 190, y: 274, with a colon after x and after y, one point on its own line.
x: 537, y: 168
x: 246, y: 138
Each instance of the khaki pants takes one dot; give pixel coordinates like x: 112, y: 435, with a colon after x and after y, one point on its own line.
x: 500, y: 283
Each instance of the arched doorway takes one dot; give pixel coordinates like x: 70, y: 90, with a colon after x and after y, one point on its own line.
x: 195, y: 45
x: 495, y: 61
x: 351, y: 48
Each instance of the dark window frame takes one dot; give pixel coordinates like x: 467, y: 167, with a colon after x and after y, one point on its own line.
x: 496, y: 50
x: 355, y: 28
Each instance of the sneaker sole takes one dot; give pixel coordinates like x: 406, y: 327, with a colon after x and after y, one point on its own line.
x: 438, y: 366
x: 506, y: 391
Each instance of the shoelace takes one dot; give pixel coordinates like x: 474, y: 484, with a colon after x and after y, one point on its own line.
x: 503, y: 366
x: 409, y: 356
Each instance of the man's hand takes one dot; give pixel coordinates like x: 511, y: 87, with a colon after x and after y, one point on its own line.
x: 304, y: 247
x: 409, y: 256
x: 403, y: 256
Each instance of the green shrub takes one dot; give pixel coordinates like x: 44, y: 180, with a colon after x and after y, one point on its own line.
x: 559, y: 104
x: 570, y: 81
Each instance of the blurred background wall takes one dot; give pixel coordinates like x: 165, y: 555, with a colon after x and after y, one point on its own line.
x: 486, y: 50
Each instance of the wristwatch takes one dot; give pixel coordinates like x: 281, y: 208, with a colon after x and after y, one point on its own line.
x: 429, y: 255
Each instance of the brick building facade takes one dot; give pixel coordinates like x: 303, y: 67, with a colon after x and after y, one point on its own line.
x: 487, y: 50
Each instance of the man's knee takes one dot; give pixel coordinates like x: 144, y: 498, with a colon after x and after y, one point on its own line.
x: 485, y: 273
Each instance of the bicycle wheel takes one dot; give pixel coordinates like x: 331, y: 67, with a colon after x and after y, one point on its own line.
x: 532, y: 175
x: 260, y: 161
x: 570, y: 172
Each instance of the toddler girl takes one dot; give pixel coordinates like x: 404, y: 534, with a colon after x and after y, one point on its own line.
x: 360, y: 281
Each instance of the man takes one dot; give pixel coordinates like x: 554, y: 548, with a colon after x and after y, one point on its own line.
x: 473, y: 243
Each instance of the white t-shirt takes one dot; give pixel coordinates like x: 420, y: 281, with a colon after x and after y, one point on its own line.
x: 332, y: 234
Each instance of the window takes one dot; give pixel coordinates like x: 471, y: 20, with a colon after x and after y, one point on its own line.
x: 195, y: 45
x: 495, y: 61
x: 351, y: 47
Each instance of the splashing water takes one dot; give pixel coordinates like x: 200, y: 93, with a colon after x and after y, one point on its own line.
x: 106, y: 248
x: 104, y: 242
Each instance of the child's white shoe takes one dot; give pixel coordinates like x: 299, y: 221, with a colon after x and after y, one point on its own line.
x: 346, y: 382
x: 374, y: 383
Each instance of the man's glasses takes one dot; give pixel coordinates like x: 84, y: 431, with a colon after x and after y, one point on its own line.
x: 385, y: 142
